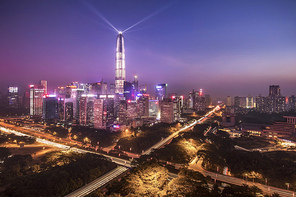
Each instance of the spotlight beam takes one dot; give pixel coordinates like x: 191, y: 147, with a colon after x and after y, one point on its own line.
x: 147, y: 17
x: 99, y: 23
x: 100, y: 15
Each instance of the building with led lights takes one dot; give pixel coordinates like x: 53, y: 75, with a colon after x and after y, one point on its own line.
x: 143, y: 104
x: 122, y: 118
x: 154, y: 111
x: 86, y: 110
x: 161, y: 91
x: 274, y: 102
x: 36, y: 100
x: 44, y: 84
x: 120, y: 65
x: 132, y: 110
x: 103, y: 110
x: 167, y: 111
x: 50, y: 107
x: 13, y: 97
x: 177, y: 106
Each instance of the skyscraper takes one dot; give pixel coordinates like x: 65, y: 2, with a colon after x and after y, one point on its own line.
x: 167, y: 111
x: 249, y: 102
x: 161, y: 91
x: 36, y: 100
x: 13, y: 97
x: 86, y: 110
x: 104, y: 111
x: 50, y: 107
x: 277, y: 100
x: 274, y: 90
x: 120, y: 65
x: 228, y: 101
x: 44, y: 84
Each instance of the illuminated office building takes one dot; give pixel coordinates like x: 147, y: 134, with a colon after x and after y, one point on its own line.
x: 154, y: 109
x: 161, y: 91
x: 13, y: 97
x: 44, y: 84
x: 143, y: 105
x: 177, y: 106
x: 132, y: 110
x: 86, y: 110
x: 167, y: 111
x: 120, y: 65
x: 104, y: 111
x: 50, y: 107
x: 36, y: 100
x: 122, y: 113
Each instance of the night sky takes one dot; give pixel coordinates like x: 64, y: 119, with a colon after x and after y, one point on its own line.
x: 229, y: 47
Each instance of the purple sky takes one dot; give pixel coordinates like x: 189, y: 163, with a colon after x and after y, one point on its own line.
x: 225, y: 47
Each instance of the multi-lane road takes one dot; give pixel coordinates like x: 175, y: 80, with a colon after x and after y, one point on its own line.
x: 98, y: 183
x: 193, y: 123
x: 196, y: 165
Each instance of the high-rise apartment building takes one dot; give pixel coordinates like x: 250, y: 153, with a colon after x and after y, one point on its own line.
x: 274, y: 102
x: 274, y: 90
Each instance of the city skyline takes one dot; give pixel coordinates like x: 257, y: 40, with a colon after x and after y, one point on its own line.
x: 188, y: 46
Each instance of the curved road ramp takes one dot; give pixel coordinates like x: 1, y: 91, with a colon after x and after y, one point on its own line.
x: 98, y: 183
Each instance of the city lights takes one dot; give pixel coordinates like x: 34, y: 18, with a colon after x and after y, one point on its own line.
x: 189, y: 98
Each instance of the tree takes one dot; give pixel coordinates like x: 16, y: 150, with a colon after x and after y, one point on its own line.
x: 216, y: 192
x: 275, y: 195
x: 147, y: 179
x: 211, y: 156
x: 4, y: 153
x: 242, y: 191
x: 189, y: 183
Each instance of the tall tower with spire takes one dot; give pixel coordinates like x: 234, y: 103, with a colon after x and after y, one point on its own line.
x: 120, y: 65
